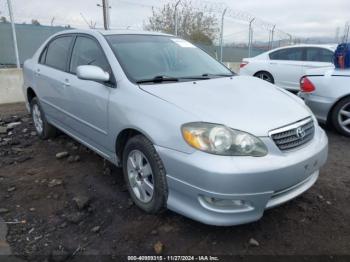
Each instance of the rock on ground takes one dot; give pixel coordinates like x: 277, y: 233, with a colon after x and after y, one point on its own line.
x: 253, y: 242
x: 3, y: 130
x: 158, y: 247
x: 81, y: 201
x: 55, y: 182
x: 61, y: 155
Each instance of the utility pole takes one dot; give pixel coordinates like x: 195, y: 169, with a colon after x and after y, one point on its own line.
x: 176, y: 26
x: 106, y: 17
x: 222, y: 33
x: 250, y: 37
x: 9, y: 4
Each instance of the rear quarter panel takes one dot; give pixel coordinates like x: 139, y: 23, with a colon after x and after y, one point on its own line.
x: 332, y: 84
x: 256, y: 64
x: 28, y: 78
x: 330, y: 87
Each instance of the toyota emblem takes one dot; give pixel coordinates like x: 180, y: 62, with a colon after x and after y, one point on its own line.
x: 300, y: 132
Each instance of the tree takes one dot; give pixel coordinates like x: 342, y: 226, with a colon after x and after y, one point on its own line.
x: 193, y: 25
x: 35, y: 22
x: 3, y: 19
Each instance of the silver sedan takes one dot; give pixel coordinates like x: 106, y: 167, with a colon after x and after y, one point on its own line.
x: 327, y: 93
x: 190, y: 135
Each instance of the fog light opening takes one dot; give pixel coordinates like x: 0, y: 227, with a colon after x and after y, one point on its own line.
x: 225, y: 205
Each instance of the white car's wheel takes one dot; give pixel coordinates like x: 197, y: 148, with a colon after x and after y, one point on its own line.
x: 341, y: 116
x: 265, y: 76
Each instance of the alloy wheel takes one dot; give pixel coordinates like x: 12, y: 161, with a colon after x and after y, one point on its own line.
x: 344, y: 117
x: 265, y: 77
x: 140, y: 176
x: 38, y: 122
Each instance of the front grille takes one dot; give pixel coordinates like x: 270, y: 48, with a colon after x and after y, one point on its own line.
x: 294, y: 135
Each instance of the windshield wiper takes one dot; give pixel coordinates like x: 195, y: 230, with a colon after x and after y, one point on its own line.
x: 158, y: 79
x: 224, y: 75
x: 195, y: 77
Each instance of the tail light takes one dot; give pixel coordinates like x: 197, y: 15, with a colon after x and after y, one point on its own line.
x: 243, y: 64
x: 306, y: 85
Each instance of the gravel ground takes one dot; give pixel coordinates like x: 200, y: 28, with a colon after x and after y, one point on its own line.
x: 78, y: 204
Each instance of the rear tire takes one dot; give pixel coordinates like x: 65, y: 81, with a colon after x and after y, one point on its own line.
x: 145, y: 175
x: 340, y: 116
x: 265, y: 76
x: 42, y: 127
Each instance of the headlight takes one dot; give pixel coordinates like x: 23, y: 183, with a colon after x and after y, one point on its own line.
x: 220, y: 140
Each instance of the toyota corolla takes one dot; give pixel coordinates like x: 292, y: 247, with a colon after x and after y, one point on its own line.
x: 190, y: 135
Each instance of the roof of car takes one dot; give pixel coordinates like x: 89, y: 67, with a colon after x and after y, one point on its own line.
x: 328, y: 46
x: 131, y: 32
x: 112, y: 32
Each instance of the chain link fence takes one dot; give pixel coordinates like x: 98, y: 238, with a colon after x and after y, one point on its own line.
x: 239, y: 39
x: 29, y: 38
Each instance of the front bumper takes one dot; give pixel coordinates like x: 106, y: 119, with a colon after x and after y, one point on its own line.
x: 257, y: 183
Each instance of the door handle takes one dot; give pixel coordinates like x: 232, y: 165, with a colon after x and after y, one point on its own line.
x: 37, y: 72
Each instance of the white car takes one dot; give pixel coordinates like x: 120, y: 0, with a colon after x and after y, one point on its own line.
x: 286, y: 65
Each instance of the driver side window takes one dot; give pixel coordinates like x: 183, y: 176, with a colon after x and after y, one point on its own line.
x: 88, y: 52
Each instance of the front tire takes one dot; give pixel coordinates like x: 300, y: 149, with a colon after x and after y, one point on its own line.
x: 42, y: 127
x: 340, y: 116
x: 145, y: 175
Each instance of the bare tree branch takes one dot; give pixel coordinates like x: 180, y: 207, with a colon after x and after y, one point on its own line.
x: 193, y: 25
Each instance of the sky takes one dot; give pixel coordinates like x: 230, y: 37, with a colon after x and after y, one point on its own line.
x: 300, y: 18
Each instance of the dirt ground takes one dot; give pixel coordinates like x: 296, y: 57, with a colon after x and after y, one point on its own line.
x: 79, y: 205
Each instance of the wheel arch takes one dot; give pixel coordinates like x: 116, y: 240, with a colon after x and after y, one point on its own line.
x: 30, y: 94
x: 123, y: 137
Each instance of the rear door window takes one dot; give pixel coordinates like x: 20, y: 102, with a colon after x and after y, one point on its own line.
x: 58, y: 52
x: 291, y: 54
x: 87, y: 51
x: 314, y: 54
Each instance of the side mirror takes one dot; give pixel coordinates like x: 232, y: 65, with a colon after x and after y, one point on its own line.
x: 90, y: 72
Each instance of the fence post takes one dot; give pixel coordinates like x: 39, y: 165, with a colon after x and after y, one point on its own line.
x: 13, y: 33
x: 177, y: 3
x: 250, y: 40
x: 272, y: 34
x: 222, y: 32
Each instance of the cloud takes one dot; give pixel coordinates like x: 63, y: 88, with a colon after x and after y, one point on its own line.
x: 297, y: 17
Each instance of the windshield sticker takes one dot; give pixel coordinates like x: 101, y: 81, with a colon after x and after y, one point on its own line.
x: 183, y: 43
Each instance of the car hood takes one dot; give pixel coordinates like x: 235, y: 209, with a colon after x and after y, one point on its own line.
x: 241, y: 102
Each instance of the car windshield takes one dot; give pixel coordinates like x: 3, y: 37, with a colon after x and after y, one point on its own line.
x: 164, y: 58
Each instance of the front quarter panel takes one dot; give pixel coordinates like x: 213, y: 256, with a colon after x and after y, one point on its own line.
x: 132, y: 108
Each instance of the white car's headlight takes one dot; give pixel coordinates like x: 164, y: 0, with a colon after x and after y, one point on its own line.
x: 220, y: 140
